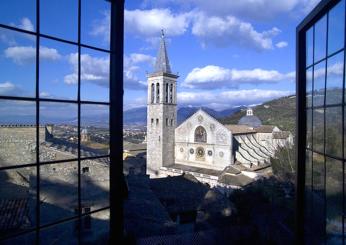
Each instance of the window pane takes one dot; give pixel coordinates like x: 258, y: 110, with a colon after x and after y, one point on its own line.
x: 336, y: 30
x: 18, y: 64
x: 308, y: 128
x: 19, y: 13
x: 65, y: 233
x: 308, y: 188
x: 26, y: 239
x: 334, y: 174
x: 319, y: 83
x: 58, y: 191
x: 95, y: 228
x: 335, y: 68
x: 17, y: 202
x: 17, y: 132
x: 54, y: 23
x: 95, y: 183
x: 318, y: 130
x: 61, y: 137
x: 334, y: 131
x: 94, y: 75
x: 94, y: 130
x: 58, y: 70
x: 309, y: 87
x: 309, y: 46
x: 320, y: 39
x: 318, y: 194
x: 95, y: 27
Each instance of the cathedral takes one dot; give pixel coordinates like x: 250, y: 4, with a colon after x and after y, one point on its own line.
x: 228, y: 156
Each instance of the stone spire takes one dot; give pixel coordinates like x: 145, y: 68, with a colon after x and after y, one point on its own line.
x: 162, y: 62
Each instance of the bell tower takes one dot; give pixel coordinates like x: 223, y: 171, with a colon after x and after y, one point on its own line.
x: 161, y: 113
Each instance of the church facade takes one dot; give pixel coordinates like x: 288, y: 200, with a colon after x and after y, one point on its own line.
x: 216, y: 154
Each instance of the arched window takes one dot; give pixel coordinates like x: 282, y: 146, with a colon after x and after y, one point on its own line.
x: 171, y: 94
x: 200, y: 135
x: 157, y: 93
x: 166, y: 121
x: 152, y: 92
x: 166, y: 92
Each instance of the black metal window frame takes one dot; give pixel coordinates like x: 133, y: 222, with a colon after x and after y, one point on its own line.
x: 321, y: 10
x: 115, y: 105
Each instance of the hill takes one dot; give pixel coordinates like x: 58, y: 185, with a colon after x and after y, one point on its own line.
x: 138, y: 116
x: 279, y: 112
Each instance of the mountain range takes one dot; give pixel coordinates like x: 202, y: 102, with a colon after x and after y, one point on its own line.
x: 138, y: 116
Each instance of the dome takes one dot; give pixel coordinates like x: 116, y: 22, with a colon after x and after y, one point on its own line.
x: 250, y: 120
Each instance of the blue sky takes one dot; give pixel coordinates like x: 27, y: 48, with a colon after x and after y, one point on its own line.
x: 227, y: 53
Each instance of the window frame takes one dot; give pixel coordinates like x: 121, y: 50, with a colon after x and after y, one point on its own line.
x: 301, y: 116
x: 117, y: 189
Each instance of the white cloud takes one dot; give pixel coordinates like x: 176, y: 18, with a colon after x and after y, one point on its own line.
x: 131, y: 68
x: 93, y: 69
x: 250, y: 9
x: 148, y: 23
x: 281, y: 44
x: 101, y: 27
x: 26, y: 24
x: 217, y: 77
x: 8, y: 88
x: 227, y: 99
x: 27, y: 54
x: 96, y: 70
x: 225, y: 31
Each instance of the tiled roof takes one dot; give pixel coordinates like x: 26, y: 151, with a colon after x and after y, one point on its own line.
x: 265, y: 129
x: 235, y: 180
x: 281, y: 135
x: 13, y: 214
x: 240, y: 129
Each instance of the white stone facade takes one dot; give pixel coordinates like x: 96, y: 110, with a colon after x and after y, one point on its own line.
x: 216, y: 151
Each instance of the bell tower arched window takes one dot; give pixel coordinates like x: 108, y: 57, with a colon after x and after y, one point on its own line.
x: 152, y: 93
x: 166, y: 92
x: 157, y: 93
x: 171, y: 94
x: 200, y: 135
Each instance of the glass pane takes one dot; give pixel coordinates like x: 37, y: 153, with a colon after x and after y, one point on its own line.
x: 308, y: 170
x: 318, y: 194
x: 57, y: 70
x: 95, y: 183
x: 319, y: 83
x: 58, y: 191
x: 309, y: 46
x: 309, y: 87
x: 308, y: 189
x: 320, y: 39
x: 61, y: 138
x: 318, y: 130
x: 94, y: 75
x: 17, y: 200
x: 18, y: 64
x: 55, y: 24
x: 334, y: 131
x: 95, y: 29
x: 335, y: 68
x: 309, y: 128
x: 65, y: 233
x: 26, y: 239
x: 95, y: 228
x: 94, y: 130
x: 336, y: 30
x: 19, y: 13
x: 334, y: 196
x: 17, y: 132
